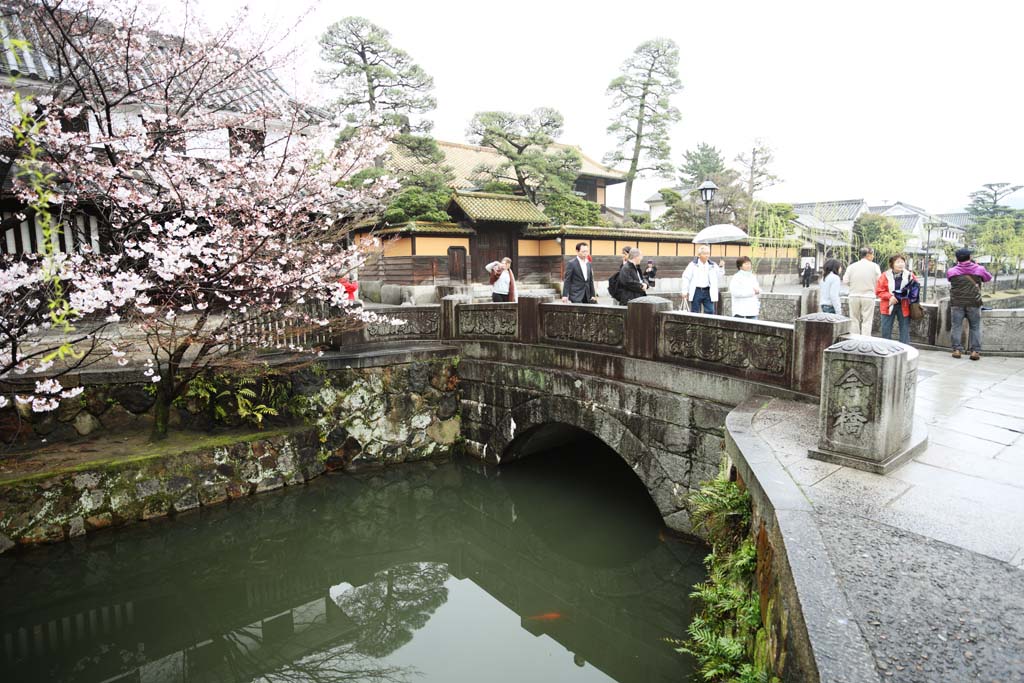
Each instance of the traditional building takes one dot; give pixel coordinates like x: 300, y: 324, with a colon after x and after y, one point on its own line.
x: 465, y: 162
x: 31, y: 67
x: 490, y: 227
x: 827, y: 227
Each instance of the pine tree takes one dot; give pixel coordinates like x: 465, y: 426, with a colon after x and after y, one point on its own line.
x: 700, y: 164
x: 379, y: 83
x: 641, y: 99
x: 524, y: 140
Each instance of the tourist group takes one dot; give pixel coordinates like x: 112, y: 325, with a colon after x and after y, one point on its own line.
x: 897, y: 289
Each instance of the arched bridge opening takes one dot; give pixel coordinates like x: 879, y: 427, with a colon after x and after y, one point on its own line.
x: 574, y: 491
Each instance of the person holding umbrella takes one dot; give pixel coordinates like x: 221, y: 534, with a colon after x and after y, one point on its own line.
x: 701, y: 282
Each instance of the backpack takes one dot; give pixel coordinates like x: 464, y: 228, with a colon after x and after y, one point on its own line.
x: 613, y: 286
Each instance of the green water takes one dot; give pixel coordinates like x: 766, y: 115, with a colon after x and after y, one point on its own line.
x: 555, y: 568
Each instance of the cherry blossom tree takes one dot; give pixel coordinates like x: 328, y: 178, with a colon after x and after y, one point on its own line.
x: 222, y: 201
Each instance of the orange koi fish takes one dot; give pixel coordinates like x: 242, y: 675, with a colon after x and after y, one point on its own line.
x: 547, y: 616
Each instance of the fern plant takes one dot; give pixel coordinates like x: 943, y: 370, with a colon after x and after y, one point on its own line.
x: 722, y: 636
x: 250, y: 396
x: 722, y: 509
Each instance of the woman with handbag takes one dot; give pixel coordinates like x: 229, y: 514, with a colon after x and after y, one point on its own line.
x: 898, y: 291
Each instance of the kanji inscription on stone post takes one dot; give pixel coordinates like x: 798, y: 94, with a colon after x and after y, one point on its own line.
x: 867, y: 404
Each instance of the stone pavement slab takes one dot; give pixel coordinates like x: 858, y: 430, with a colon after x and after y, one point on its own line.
x: 930, y: 556
x: 930, y: 612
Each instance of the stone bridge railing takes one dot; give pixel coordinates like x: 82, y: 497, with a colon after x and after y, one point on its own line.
x: 786, y: 355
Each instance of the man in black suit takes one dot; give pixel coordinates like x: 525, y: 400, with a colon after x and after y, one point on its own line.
x: 578, y: 287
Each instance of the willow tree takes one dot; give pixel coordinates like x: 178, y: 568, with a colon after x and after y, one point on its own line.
x: 641, y: 101
x: 881, y: 233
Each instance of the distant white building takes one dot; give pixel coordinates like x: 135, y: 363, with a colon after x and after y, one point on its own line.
x: 827, y: 226
x: 658, y: 207
x: 926, y: 231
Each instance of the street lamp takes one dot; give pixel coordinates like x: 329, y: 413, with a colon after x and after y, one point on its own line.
x: 927, y: 264
x: 927, y: 256
x: 707, y: 193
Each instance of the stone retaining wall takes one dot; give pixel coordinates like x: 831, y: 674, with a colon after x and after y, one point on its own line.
x: 812, y: 635
x: 404, y: 408
x: 381, y: 403
x: 55, y: 507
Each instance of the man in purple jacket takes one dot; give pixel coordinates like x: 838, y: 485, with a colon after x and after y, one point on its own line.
x: 965, y: 280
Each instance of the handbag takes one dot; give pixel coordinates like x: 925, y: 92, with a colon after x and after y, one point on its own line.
x: 916, y: 312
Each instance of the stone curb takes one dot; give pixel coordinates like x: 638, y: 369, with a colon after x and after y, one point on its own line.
x: 829, y: 645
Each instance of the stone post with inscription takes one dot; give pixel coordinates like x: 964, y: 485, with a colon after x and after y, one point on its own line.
x: 868, y: 387
x: 448, y: 304
x: 529, y: 316
x: 812, y: 334
x: 642, y: 325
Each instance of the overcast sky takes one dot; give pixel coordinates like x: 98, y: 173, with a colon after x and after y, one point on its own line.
x: 897, y: 100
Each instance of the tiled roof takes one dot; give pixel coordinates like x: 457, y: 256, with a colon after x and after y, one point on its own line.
x: 907, y: 222
x: 485, y: 206
x: 656, y: 198
x: 957, y: 220
x: 464, y: 160
x: 592, y: 168
x: 915, y: 209
x: 253, y: 90
x: 818, y: 226
x: 621, y: 211
x: 881, y: 208
x: 608, y: 233
x: 426, y: 228
x: 843, y: 210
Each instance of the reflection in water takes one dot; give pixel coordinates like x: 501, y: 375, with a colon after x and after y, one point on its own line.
x: 409, y: 574
x: 393, y: 604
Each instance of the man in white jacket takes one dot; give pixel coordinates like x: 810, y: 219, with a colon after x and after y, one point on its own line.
x: 701, y: 282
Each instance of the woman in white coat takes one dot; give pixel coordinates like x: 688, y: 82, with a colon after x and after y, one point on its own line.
x: 828, y: 295
x: 745, y: 291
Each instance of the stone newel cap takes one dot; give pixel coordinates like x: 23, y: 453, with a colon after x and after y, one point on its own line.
x: 824, y: 318
x: 872, y: 346
x: 651, y: 299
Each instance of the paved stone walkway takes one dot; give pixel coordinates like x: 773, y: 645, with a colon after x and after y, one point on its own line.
x: 930, y: 556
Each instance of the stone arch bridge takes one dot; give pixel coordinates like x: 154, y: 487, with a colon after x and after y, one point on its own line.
x: 652, y: 383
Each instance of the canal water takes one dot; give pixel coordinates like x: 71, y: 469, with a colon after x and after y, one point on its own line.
x: 553, y: 568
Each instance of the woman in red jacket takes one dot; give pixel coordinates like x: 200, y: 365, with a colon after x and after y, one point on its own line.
x: 896, y: 289
x: 350, y: 287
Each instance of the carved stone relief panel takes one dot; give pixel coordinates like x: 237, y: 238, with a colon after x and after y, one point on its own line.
x: 487, y: 322
x: 593, y: 326
x: 415, y: 323
x: 736, y: 348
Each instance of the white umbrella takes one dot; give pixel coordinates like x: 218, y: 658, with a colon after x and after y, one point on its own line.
x: 716, y: 234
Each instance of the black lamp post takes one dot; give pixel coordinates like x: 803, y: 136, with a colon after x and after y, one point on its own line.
x: 707, y: 193
x: 927, y: 260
